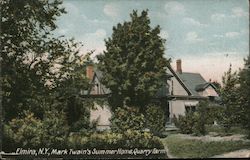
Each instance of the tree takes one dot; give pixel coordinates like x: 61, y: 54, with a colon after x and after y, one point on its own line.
x: 33, y: 60
x: 244, y: 90
x: 155, y: 119
x: 217, y: 85
x: 35, y: 64
x: 229, y: 95
x: 133, y: 65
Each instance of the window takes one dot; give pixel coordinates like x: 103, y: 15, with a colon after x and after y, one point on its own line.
x: 190, y: 109
x: 211, y: 98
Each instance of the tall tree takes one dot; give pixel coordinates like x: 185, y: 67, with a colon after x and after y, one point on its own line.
x: 38, y: 70
x: 32, y: 60
x: 229, y: 95
x: 134, y: 65
x: 244, y: 80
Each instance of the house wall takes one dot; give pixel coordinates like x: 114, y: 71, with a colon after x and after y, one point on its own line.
x: 177, y: 107
x: 102, y: 114
x: 209, y: 91
x: 175, y: 87
x: 97, y: 88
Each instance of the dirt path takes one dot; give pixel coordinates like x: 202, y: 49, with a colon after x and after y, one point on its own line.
x: 243, y: 153
x: 236, y: 137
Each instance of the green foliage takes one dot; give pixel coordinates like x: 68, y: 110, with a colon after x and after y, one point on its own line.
x: 105, y: 140
x: 138, y: 139
x: 220, y: 131
x: 55, y: 129
x: 244, y: 91
x: 195, y: 122
x: 40, y: 72
x: 23, y: 25
x: 230, y: 96
x: 31, y: 132
x: 190, y: 148
x: 108, y: 140
x: 201, y: 118
x: 24, y: 132
x: 133, y: 65
x: 127, y: 118
x: 185, y: 123
x: 155, y: 119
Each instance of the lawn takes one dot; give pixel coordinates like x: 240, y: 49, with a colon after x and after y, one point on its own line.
x: 188, y: 148
x: 220, y: 131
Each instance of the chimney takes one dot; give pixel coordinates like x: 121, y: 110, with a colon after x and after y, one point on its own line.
x: 178, y: 66
x: 90, y: 71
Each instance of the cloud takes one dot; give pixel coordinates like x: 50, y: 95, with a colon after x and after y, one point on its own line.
x: 93, y: 21
x: 174, y: 8
x: 191, y: 21
x: 192, y: 37
x: 99, y: 33
x: 232, y: 34
x: 218, y: 36
x: 239, y: 12
x: 157, y: 14
x: 94, y: 41
x: 71, y: 8
x: 111, y: 10
x: 217, y: 17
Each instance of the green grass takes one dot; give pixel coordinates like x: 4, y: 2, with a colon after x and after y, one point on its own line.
x: 221, y: 131
x: 187, y: 148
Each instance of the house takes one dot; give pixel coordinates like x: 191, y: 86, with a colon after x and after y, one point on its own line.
x: 181, y: 94
x: 186, y: 90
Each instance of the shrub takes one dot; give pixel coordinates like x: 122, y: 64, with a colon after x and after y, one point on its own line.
x: 108, y: 140
x: 195, y: 122
x: 201, y: 118
x: 185, y: 123
x: 155, y: 119
x: 137, y: 139
x: 105, y: 140
x: 127, y: 118
x: 31, y: 132
x: 24, y: 132
x: 55, y: 129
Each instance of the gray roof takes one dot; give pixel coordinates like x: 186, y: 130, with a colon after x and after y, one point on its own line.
x: 192, y: 81
x: 162, y: 92
x: 99, y: 75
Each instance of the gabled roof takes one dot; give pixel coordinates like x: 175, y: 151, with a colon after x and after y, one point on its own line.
x: 98, y: 75
x: 179, y: 80
x: 193, y: 81
x: 202, y: 87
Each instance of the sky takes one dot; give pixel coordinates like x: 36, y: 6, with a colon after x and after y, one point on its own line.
x: 207, y: 35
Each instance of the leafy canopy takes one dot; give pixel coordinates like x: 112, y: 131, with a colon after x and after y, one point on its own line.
x: 33, y: 60
x: 229, y: 95
x: 244, y: 81
x: 133, y: 64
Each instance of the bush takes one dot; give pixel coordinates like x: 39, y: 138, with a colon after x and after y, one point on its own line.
x: 155, y: 119
x: 55, y: 129
x: 194, y: 122
x: 31, y: 132
x: 127, y: 118
x: 25, y: 132
x: 137, y: 139
x: 105, y: 140
x: 185, y: 123
x: 201, y: 118
x: 108, y: 140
